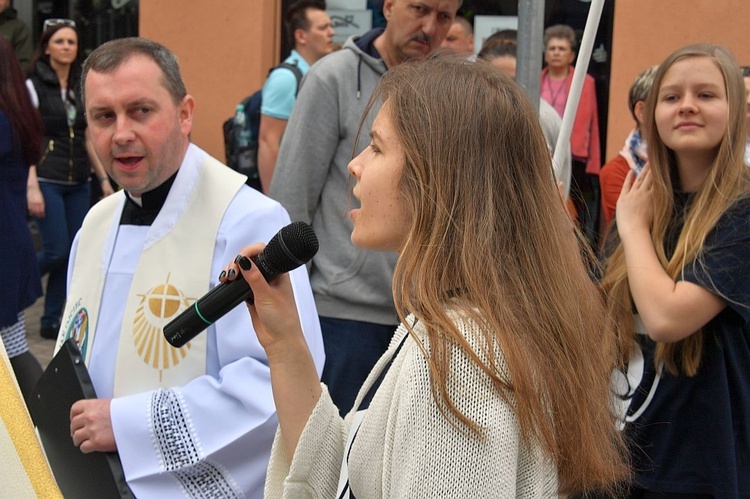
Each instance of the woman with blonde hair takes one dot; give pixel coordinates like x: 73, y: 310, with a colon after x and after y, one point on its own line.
x: 496, y: 383
x: 678, y: 287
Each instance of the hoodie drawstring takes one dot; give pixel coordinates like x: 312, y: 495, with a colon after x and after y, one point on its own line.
x: 359, y: 77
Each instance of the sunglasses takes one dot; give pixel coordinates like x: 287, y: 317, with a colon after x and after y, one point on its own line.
x: 52, y: 23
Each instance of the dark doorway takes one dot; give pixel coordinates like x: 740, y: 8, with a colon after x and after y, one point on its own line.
x: 97, y: 21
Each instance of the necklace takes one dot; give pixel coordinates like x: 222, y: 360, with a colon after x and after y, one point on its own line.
x: 555, y: 94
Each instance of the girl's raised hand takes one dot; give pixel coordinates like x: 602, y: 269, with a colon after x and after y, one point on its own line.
x: 635, y: 208
x: 273, y: 309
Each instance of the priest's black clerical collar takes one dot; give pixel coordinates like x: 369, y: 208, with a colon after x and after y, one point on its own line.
x: 144, y: 213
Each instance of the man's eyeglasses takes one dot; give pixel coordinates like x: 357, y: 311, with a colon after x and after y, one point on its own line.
x: 52, y: 23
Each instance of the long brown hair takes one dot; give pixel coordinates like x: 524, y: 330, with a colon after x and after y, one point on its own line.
x: 490, y: 238
x: 726, y: 182
x: 15, y: 102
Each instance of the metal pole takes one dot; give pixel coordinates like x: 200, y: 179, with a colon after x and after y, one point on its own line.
x: 576, y: 86
x: 530, y: 47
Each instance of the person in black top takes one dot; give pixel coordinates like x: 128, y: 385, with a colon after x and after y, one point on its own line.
x: 58, y: 185
x: 677, y: 286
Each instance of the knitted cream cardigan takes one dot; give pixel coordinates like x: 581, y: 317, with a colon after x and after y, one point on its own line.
x: 406, y: 447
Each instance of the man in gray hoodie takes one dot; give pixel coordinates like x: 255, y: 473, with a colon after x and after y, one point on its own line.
x: 352, y: 286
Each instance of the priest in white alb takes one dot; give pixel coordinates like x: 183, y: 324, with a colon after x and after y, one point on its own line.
x: 196, y: 421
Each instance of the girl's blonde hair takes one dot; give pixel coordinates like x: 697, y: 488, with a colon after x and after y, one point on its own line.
x: 489, y: 236
x: 726, y: 182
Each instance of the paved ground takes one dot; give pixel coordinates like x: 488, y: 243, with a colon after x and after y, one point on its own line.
x: 40, y: 347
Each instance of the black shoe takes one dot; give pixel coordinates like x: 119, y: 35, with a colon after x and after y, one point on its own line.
x: 49, y: 333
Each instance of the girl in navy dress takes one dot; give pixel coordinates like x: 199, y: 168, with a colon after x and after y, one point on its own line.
x: 20, y: 285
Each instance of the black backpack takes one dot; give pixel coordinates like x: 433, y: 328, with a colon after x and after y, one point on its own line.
x: 249, y: 155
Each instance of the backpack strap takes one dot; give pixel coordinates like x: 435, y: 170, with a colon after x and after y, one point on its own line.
x: 291, y: 66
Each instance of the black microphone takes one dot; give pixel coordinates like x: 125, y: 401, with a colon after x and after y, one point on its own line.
x: 291, y: 247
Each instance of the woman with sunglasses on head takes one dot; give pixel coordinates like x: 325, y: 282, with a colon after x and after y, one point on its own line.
x: 678, y: 285
x: 58, y: 189
x: 496, y: 384
x: 20, y: 286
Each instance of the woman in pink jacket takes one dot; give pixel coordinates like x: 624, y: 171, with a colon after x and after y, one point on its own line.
x: 559, y: 53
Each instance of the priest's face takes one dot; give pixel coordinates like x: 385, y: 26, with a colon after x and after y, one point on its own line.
x: 139, y: 132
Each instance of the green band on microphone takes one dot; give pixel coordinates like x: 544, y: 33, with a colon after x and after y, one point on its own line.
x: 195, y: 305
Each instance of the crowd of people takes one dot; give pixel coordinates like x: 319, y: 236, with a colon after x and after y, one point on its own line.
x: 463, y: 330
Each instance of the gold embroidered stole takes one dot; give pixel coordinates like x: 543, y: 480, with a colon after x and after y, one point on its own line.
x: 95, y: 247
x: 158, y: 292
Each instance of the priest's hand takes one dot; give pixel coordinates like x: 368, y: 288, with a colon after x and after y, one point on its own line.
x: 91, y: 426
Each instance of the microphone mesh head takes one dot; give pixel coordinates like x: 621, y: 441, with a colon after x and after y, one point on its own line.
x: 291, y: 247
